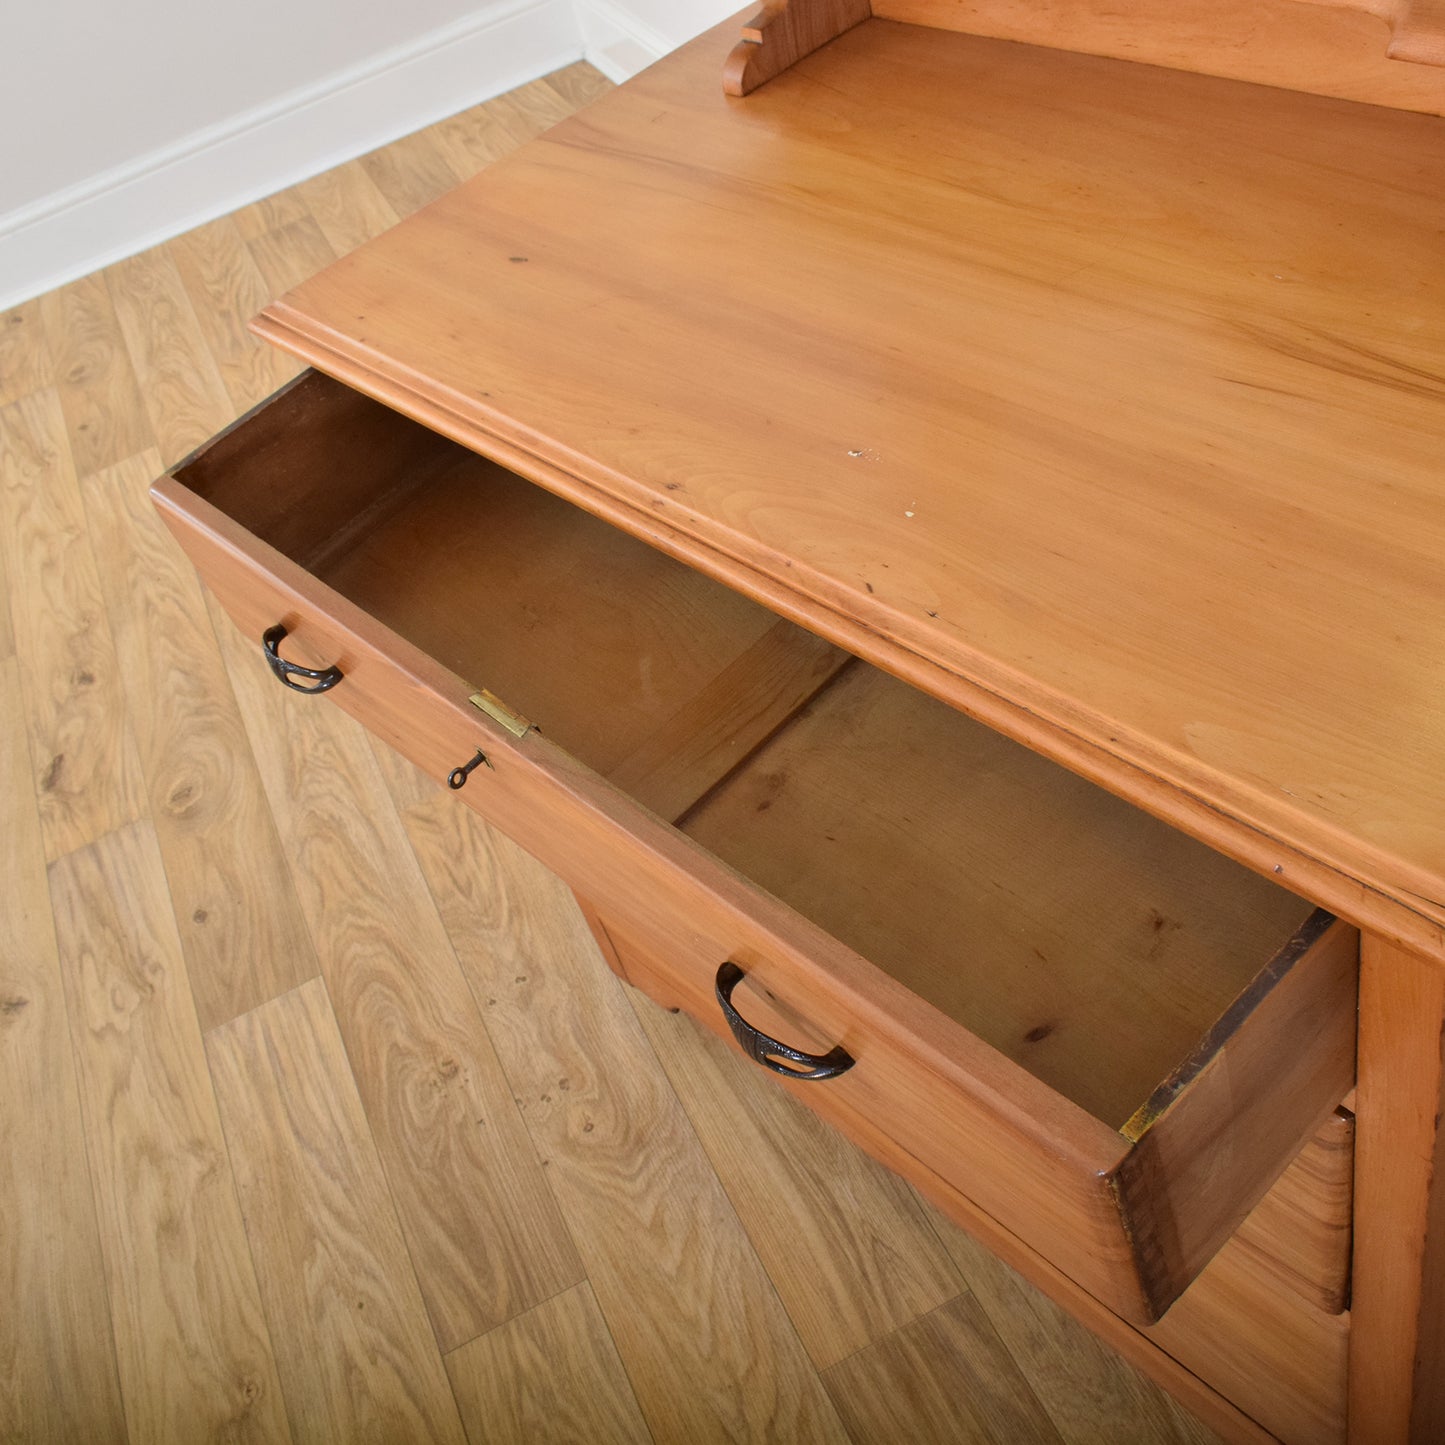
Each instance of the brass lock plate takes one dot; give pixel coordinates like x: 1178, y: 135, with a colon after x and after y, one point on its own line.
x: 498, y: 711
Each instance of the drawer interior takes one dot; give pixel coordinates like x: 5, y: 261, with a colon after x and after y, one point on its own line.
x: 600, y: 640
x: 1080, y: 937
x: 1086, y: 940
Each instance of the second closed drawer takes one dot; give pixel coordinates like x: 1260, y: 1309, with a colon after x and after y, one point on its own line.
x: 1105, y: 1035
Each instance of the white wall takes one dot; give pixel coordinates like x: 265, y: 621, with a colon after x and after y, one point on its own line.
x: 122, y: 124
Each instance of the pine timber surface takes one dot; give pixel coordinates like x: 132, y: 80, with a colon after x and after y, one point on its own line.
x: 59, y: 1323
x: 1121, y: 1208
x: 1101, y: 400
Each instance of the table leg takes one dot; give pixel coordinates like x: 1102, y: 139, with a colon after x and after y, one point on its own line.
x: 1397, y: 1337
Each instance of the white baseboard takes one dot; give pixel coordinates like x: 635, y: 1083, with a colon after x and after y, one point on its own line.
x: 617, y: 43
x: 160, y: 195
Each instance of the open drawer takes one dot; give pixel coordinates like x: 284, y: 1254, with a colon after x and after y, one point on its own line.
x: 1102, y: 1033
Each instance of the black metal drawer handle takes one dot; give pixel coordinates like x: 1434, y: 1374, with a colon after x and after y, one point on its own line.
x: 768, y: 1051
x: 321, y: 678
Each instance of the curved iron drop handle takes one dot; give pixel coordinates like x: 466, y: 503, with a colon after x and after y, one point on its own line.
x: 766, y: 1050
x: 321, y: 677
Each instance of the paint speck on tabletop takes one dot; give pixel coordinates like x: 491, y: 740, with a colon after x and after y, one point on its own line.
x: 866, y: 454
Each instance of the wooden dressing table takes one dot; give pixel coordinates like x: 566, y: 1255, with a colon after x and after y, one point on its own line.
x: 939, y: 542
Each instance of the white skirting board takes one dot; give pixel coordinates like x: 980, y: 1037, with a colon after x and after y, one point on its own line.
x: 616, y: 41
x: 208, y: 173
x: 621, y: 37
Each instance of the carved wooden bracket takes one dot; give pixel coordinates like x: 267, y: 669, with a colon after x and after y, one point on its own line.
x: 784, y: 32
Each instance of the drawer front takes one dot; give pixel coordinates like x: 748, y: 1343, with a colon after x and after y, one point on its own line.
x: 1263, y: 1322
x: 1133, y: 1220
x: 1295, y: 1237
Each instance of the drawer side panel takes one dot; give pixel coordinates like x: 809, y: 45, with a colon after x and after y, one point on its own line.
x: 1261, y: 1087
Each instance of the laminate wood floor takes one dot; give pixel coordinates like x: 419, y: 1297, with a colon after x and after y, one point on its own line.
x: 321, y: 1119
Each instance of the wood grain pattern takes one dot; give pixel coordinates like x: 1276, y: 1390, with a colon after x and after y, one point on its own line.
x: 347, y: 207
x: 530, y: 109
x: 1395, y: 1369
x: 1133, y: 1345
x: 1115, y: 1418
x: 105, y: 419
x: 412, y: 172
x: 1145, y: 411
x: 1417, y: 26
x: 955, y: 1104
x: 846, y: 1243
x: 576, y: 85
x: 87, y: 774
x: 1241, y: 1329
x: 286, y: 256
x: 1280, y: 1360
x: 244, y: 937
x: 944, y: 1378
x: 884, y: 1130
x: 1076, y: 1378
x: 690, y: 908
x: 549, y: 1377
x: 484, y: 1234
x: 1327, y: 47
x: 351, y: 1331
x: 615, y: 650
x: 406, y: 782
x: 7, y: 629
x: 315, y: 465
x: 1078, y: 936
x: 226, y: 290
x: 180, y: 381
x: 271, y: 213
x: 695, y: 747
x: 25, y: 364
x: 55, y: 1326
x: 86, y: 1369
x: 619, y: 1153
x: 1300, y: 1233
x: 1247, y: 1101
x: 194, y: 1353
x: 600, y: 641
x: 476, y: 138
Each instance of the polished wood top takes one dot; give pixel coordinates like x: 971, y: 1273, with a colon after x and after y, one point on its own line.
x: 1102, y: 400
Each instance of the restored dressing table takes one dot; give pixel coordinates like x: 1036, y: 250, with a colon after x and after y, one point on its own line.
x: 939, y: 541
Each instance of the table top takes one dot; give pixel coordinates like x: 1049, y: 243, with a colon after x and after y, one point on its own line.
x: 1105, y: 400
